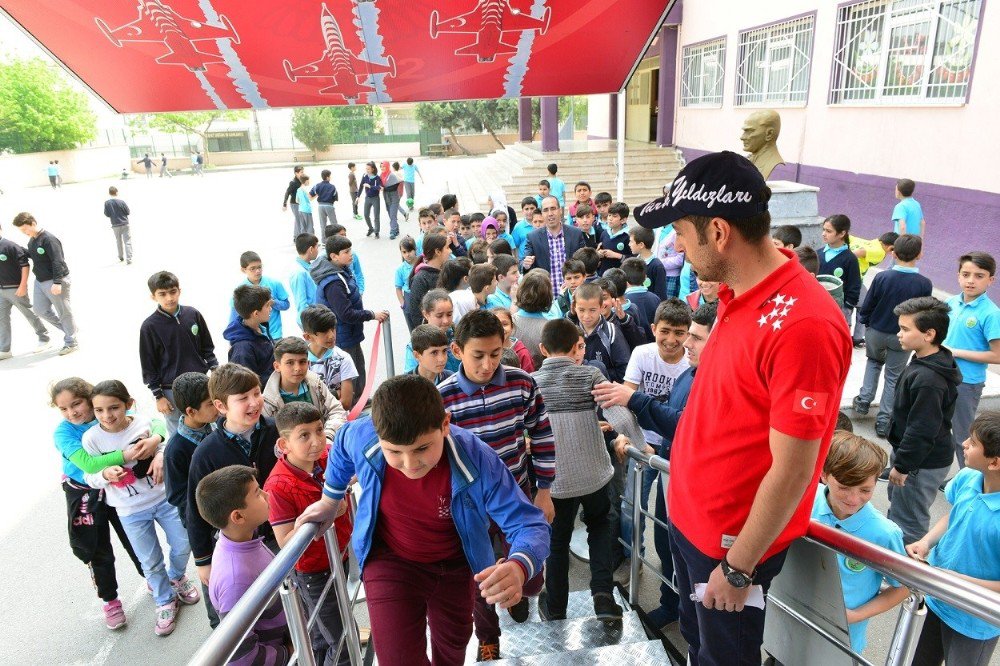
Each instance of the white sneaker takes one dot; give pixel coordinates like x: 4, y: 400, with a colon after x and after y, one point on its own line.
x: 43, y: 345
x: 5, y: 355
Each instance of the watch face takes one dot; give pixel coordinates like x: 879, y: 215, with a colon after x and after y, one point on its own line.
x: 737, y: 579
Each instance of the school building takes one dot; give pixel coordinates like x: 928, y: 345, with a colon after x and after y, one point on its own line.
x: 868, y: 92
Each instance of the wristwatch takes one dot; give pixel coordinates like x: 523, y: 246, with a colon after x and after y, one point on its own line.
x: 735, y: 577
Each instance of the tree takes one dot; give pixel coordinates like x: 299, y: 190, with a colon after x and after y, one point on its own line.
x: 40, y: 110
x: 353, y: 122
x: 191, y: 122
x: 314, y: 127
x: 475, y: 116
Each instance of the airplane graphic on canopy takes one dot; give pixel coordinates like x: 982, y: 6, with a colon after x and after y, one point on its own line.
x: 184, y: 55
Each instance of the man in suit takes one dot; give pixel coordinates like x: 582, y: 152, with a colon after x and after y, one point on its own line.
x: 550, y: 246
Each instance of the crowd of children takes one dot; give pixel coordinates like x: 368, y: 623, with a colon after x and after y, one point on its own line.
x: 476, y: 461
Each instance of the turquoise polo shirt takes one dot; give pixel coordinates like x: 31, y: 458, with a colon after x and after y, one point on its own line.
x: 970, y: 546
x: 499, y: 299
x: 906, y: 216
x: 972, y: 327
x: 402, y: 279
x: 861, y: 584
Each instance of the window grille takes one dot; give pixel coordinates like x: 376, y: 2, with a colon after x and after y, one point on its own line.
x: 773, y: 63
x: 703, y: 68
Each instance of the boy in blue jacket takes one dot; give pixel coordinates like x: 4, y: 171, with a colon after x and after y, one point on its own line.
x: 250, y: 341
x: 421, y: 533
x: 337, y: 289
x: 662, y: 418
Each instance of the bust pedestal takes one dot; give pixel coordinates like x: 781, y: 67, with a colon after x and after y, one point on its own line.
x: 796, y: 204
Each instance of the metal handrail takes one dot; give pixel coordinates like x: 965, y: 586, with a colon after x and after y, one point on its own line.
x: 235, y: 626
x: 940, y: 584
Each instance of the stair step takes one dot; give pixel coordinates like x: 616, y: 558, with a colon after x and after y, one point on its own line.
x: 631, y: 654
x: 582, y: 633
x: 578, y: 605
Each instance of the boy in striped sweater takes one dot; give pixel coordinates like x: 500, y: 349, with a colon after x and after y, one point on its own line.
x: 500, y: 405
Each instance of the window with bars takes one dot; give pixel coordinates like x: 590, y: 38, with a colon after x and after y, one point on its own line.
x: 773, y: 63
x: 898, y: 52
x: 703, y: 68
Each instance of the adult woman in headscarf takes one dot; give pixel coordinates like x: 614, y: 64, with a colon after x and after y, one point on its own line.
x: 498, y: 199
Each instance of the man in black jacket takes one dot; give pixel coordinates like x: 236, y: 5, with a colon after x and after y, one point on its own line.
x: 920, y: 427
x: 293, y: 187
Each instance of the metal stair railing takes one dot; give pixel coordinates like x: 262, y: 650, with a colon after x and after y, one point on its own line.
x: 919, y: 578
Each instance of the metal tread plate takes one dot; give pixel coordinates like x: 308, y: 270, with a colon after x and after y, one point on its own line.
x: 636, y: 654
x: 578, y: 604
x: 547, y: 638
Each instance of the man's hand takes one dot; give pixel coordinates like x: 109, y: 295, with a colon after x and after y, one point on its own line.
x: 381, y: 315
x: 21, y: 291
x: 543, y: 500
x: 608, y: 394
x: 156, y: 468
x: 529, y: 261
x: 204, y: 571
x: 720, y: 595
x: 919, y: 550
x: 324, y: 512
x: 897, y: 478
x: 163, y: 405
x: 501, y: 583
x: 56, y: 289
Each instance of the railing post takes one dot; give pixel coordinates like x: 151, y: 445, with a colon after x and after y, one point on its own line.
x: 343, y: 599
x: 636, y: 560
x: 908, y: 626
x: 291, y: 601
x: 390, y: 359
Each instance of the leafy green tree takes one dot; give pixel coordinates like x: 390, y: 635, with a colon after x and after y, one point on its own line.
x: 352, y: 123
x: 489, y: 115
x: 446, y: 115
x: 40, y: 110
x: 314, y: 127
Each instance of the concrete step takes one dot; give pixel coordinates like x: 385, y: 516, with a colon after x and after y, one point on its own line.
x: 632, y: 654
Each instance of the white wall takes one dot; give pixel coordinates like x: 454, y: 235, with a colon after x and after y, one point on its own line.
x: 954, y: 146
x: 598, y: 114
x: 29, y: 170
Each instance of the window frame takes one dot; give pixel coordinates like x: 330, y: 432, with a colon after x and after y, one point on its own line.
x: 691, y: 101
x: 808, y: 53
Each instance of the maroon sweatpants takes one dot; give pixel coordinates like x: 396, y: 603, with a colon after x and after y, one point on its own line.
x: 405, y: 597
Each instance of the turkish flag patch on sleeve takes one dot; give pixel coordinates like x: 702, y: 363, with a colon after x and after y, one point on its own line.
x: 810, y: 402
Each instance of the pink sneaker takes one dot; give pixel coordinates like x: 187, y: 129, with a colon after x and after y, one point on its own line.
x: 186, y: 592
x: 114, y: 616
x: 166, y: 619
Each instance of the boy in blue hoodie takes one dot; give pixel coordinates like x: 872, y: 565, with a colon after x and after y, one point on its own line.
x: 421, y: 532
x: 337, y: 289
x: 250, y: 341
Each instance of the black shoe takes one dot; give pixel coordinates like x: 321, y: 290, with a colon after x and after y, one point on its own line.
x: 882, y: 430
x: 393, y: 236
x: 519, y: 611
x: 370, y: 232
x: 488, y: 651
x: 859, y: 407
x: 606, y: 608
x: 884, y: 476
x: 859, y: 344
x: 376, y: 236
x: 543, y: 609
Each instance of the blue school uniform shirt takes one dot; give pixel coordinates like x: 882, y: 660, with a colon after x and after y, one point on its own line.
x: 499, y: 299
x: 280, y: 297
x: 861, y: 583
x: 410, y: 172
x: 970, y: 546
x: 688, y: 281
x: 906, y: 216
x: 557, y: 189
x: 520, y: 236
x: 359, y: 276
x: 302, y: 197
x: 972, y: 326
x: 402, y: 279
x: 303, y: 287
x: 452, y: 365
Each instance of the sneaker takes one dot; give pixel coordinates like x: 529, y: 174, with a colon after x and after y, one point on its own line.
x: 623, y: 573
x: 543, y: 609
x: 357, y: 217
x: 859, y: 407
x: 519, y: 611
x: 129, y: 262
x: 166, y: 619
x: 882, y: 430
x: 393, y: 236
x: 68, y: 349
x: 186, y: 592
x: 488, y: 651
x: 606, y: 608
x: 43, y: 343
x: 5, y: 355
x: 370, y: 232
x: 114, y: 616
x: 859, y: 344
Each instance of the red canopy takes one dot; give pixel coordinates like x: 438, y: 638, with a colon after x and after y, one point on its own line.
x: 182, y: 55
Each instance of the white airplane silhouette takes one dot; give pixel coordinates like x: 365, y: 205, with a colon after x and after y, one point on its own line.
x: 489, y: 22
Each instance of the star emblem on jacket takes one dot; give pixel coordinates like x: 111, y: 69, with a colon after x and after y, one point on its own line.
x: 781, y: 305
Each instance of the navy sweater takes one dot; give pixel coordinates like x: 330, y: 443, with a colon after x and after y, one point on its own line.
x: 251, y: 349
x: 13, y: 259
x: 47, y: 259
x: 218, y: 450
x: 889, y: 289
x: 844, y: 266
x: 170, y: 345
x: 607, y: 344
x: 337, y: 289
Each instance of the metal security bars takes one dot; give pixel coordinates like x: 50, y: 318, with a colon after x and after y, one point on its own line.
x: 898, y: 52
x: 773, y: 63
x: 703, y: 68
x: 919, y: 578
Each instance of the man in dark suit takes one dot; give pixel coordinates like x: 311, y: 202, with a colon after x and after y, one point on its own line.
x: 550, y: 246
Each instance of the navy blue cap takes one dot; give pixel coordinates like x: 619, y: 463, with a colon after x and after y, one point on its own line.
x: 725, y: 185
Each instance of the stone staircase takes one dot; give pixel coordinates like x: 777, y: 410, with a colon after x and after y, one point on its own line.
x: 517, y: 169
x: 579, y: 639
